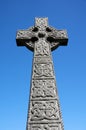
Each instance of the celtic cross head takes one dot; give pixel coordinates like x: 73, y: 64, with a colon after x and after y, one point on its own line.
x: 41, y: 30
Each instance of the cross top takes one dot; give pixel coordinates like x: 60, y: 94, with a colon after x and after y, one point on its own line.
x: 41, y: 22
x: 41, y: 30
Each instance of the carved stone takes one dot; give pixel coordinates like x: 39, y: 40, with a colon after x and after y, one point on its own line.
x: 44, y: 109
x: 42, y: 49
x: 46, y: 127
x: 42, y: 70
x: 42, y: 60
x: 43, y: 89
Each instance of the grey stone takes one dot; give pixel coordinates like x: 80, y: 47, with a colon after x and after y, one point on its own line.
x: 44, y: 109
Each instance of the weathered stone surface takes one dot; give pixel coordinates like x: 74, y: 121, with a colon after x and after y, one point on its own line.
x: 43, y: 89
x: 45, y: 127
x: 44, y: 109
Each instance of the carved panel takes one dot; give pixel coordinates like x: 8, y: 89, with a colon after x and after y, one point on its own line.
x: 42, y: 70
x: 42, y: 48
x: 42, y: 59
x: 43, y: 89
x: 44, y: 110
x: 45, y: 127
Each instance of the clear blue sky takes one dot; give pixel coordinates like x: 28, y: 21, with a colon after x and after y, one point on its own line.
x: 16, y: 62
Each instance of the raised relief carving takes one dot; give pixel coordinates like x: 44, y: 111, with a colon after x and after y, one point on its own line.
x: 42, y: 59
x: 58, y: 33
x: 45, y: 70
x: 42, y: 48
x: 43, y: 89
x: 44, y: 110
x: 45, y: 127
x: 25, y: 34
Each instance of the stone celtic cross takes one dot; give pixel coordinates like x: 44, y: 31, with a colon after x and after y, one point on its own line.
x: 44, y: 109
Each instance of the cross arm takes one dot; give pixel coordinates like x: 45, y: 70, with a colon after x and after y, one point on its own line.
x: 25, y: 36
x: 59, y: 36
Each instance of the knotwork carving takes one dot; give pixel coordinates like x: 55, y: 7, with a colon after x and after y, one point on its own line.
x: 44, y: 110
x: 45, y: 127
x: 42, y: 49
x: 45, y: 70
x: 43, y: 89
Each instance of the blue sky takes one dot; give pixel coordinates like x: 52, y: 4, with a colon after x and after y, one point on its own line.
x: 16, y: 62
